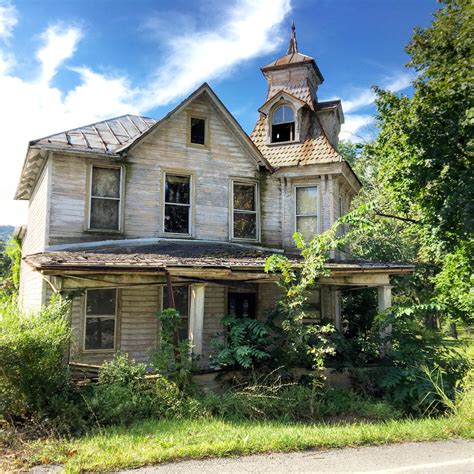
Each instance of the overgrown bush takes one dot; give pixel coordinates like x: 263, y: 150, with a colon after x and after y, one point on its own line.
x: 401, y: 377
x: 34, y: 377
x: 172, y: 357
x: 293, y: 402
x: 124, y: 394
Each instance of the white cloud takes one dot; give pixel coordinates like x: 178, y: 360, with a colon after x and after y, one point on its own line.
x: 359, y: 126
x: 34, y: 108
x: 356, y: 128
x: 8, y: 20
x: 59, y: 45
x: 199, y: 56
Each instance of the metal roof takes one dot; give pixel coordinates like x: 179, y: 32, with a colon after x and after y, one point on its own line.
x: 107, y: 136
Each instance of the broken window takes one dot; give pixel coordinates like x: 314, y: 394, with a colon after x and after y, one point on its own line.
x: 198, y: 131
x: 105, y: 198
x: 177, y: 204
x: 307, y: 199
x: 283, y: 124
x: 181, y: 301
x: 245, y: 211
x: 100, y: 319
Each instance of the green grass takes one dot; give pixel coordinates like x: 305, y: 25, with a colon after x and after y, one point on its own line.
x: 156, y: 441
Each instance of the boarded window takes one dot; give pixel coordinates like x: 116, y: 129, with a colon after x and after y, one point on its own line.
x: 181, y: 301
x: 307, y: 211
x: 100, y: 319
x: 283, y: 124
x: 245, y: 211
x: 177, y: 204
x: 105, y: 198
x: 198, y: 131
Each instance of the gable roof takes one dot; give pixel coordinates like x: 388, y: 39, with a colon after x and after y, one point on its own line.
x: 115, y: 138
x: 228, y: 118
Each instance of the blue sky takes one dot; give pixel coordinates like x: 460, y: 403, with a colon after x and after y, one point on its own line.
x: 68, y: 63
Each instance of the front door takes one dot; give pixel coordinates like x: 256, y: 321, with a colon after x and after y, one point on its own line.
x: 242, y: 305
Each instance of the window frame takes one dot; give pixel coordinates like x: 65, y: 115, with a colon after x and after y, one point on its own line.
x: 181, y: 173
x: 244, y: 182
x: 270, y: 128
x: 189, y: 304
x: 318, y: 206
x: 100, y: 316
x: 206, y: 119
x: 90, y: 197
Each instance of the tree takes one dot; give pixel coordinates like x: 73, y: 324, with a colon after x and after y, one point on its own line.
x: 418, y: 168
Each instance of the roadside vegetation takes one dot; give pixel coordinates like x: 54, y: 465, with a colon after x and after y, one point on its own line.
x: 420, y: 389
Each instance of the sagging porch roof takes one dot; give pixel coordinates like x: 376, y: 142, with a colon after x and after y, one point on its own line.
x: 160, y: 255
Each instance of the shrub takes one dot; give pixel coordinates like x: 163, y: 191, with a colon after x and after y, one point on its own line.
x: 124, y: 394
x: 413, y: 350
x: 34, y: 375
x: 171, y: 357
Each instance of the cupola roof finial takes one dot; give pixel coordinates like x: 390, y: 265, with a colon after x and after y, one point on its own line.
x: 293, y: 45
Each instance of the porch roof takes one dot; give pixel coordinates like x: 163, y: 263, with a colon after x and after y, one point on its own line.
x: 159, y: 255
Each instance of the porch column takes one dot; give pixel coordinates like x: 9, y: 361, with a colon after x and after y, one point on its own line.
x: 196, y: 317
x: 337, y: 309
x: 384, y: 294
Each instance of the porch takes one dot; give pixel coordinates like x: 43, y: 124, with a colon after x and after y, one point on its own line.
x: 118, y: 287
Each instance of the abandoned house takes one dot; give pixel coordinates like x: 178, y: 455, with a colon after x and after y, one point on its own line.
x: 123, y: 211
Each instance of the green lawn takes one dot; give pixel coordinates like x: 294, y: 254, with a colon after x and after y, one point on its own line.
x: 166, y: 440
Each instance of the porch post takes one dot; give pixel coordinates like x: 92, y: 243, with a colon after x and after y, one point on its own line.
x: 337, y: 309
x: 196, y: 317
x: 384, y: 294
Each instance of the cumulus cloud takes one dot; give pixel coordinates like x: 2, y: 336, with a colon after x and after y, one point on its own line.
x: 8, y: 19
x: 34, y: 107
x: 198, y: 56
x: 358, y: 126
x: 59, y: 45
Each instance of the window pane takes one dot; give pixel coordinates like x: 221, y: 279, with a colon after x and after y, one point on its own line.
x: 176, y: 219
x: 182, y: 306
x: 104, y: 214
x: 284, y: 114
x: 101, y: 301
x: 105, y: 182
x: 307, y: 200
x: 245, y: 226
x: 198, y: 130
x: 308, y: 226
x: 100, y: 333
x: 184, y: 329
x: 180, y: 299
x: 177, y: 189
x: 244, y: 197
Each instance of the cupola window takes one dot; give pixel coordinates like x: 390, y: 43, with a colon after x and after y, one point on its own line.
x: 283, y: 124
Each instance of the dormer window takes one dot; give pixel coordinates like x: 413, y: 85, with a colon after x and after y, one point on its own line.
x: 283, y: 124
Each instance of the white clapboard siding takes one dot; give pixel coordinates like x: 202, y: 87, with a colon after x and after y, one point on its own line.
x: 32, y: 286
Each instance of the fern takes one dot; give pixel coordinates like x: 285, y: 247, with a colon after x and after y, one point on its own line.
x: 246, y: 344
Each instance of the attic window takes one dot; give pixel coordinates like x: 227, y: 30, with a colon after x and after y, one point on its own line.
x: 198, y: 131
x: 283, y: 124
